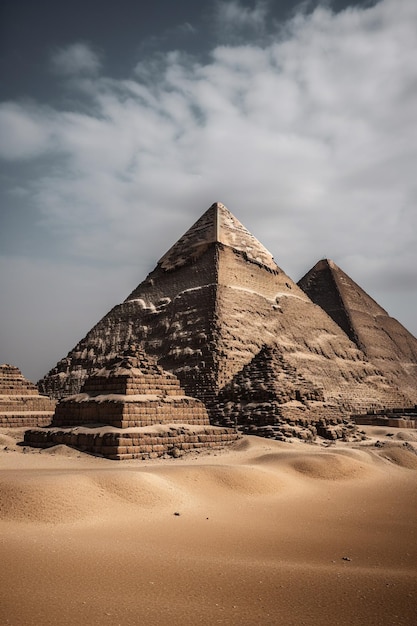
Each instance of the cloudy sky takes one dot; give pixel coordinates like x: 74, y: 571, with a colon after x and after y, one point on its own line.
x: 121, y: 123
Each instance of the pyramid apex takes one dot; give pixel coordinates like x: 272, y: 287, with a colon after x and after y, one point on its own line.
x: 216, y: 225
x: 323, y: 264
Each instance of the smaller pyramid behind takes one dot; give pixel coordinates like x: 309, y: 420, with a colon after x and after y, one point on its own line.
x: 385, y: 342
x: 20, y: 402
x: 131, y: 408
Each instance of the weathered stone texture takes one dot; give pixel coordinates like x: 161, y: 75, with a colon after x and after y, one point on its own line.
x: 399, y: 417
x: 169, y: 314
x: 132, y: 391
x: 312, y: 343
x: 135, y: 443
x: 20, y: 402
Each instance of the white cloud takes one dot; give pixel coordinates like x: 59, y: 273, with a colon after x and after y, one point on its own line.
x: 310, y: 139
x: 77, y: 58
x: 24, y: 130
x: 319, y: 126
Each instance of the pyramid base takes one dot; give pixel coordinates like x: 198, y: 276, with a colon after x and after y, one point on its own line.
x: 134, y: 443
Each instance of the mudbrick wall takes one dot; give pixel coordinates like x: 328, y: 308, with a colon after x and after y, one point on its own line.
x: 122, y: 413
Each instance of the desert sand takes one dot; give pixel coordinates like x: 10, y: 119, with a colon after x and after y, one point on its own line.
x: 262, y: 533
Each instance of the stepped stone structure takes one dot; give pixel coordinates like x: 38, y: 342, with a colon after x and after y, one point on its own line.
x: 218, y: 310
x: 20, y: 402
x: 382, y: 338
x: 129, y: 395
x: 130, y: 391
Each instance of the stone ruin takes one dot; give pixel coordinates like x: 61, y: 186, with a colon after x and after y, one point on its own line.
x: 20, y: 401
x: 398, y: 417
x: 258, y: 350
x: 129, y: 396
x: 132, y: 390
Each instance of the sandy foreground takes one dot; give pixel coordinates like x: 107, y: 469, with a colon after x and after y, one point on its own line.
x: 264, y: 533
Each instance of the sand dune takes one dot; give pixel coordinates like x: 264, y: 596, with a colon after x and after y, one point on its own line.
x: 265, y: 533
x: 403, y: 457
x: 320, y: 465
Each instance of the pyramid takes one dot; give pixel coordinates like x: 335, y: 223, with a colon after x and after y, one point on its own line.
x: 173, y: 312
x: 142, y: 408
x: 128, y: 392
x: 380, y: 337
x: 212, y: 303
x: 269, y: 397
x: 20, y: 402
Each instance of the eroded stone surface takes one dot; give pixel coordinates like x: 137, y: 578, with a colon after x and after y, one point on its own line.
x: 131, y: 391
x: 217, y: 225
x: 135, y: 443
x: 20, y: 402
x: 399, y: 417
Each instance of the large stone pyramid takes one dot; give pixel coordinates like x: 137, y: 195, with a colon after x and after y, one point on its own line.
x: 20, y: 402
x: 382, y: 338
x: 212, y: 303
